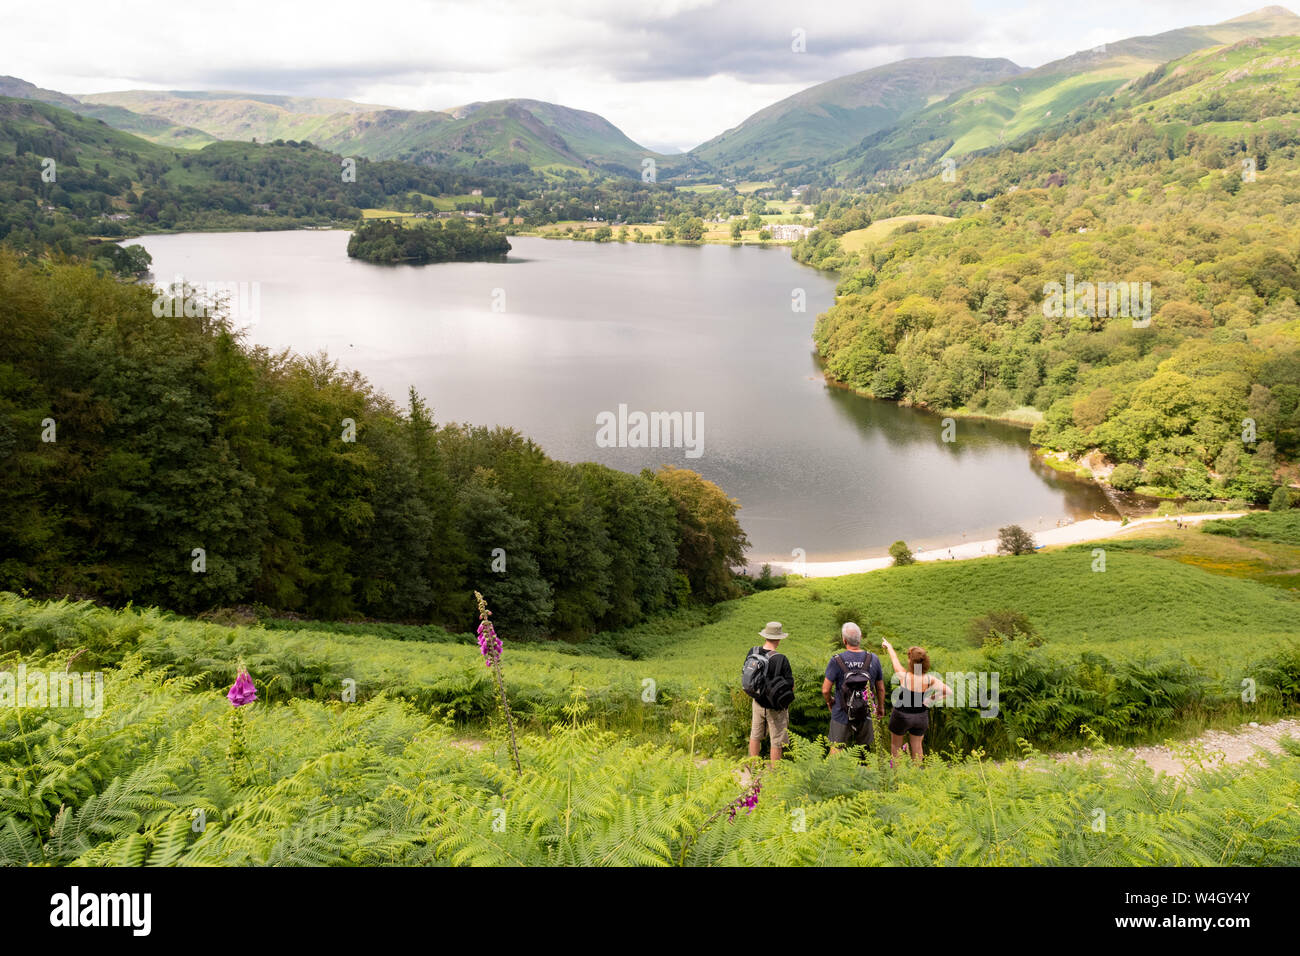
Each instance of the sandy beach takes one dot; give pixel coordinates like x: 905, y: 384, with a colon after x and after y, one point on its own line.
x: 1091, y: 529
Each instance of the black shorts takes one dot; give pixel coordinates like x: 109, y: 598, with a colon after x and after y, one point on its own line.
x: 865, y: 736
x: 914, y: 725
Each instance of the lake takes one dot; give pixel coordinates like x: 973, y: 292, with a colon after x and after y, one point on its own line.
x: 562, y: 333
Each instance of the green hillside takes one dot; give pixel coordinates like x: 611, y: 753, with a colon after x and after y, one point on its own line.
x: 832, y: 116
x: 152, y: 101
x: 506, y: 133
x: 992, y: 114
x: 1150, y: 188
x: 1238, y: 90
x: 857, y: 239
x: 112, y: 184
x: 238, y: 116
x: 109, y: 184
x: 74, y: 135
x: 508, y: 128
x: 152, y: 128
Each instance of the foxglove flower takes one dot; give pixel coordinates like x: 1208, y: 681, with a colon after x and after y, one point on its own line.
x: 242, y: 691
x: 489, y: 644
x: 748, y: 800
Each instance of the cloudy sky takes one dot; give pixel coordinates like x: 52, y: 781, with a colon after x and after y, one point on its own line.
x: 669, y: 73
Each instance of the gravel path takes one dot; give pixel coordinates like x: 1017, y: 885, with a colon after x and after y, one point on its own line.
x: 1221, y: 747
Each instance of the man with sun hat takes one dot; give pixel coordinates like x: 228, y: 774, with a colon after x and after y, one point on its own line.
x: 768, y: 679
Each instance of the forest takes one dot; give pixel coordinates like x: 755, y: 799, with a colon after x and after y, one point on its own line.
x: 381, y: 240
x: 155, y: 458
x: 1201, y: 400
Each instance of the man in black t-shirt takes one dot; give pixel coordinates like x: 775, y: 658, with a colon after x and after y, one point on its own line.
x: 850, y: 659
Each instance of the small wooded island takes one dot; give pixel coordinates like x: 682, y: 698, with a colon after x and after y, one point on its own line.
x: 382, y: 240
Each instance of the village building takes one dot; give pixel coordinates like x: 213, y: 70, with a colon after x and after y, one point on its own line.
x: 788, y: 231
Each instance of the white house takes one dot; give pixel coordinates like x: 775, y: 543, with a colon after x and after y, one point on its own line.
x: 788, y: 231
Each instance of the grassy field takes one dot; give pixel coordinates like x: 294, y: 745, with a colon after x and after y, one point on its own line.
x: 1025, y: 416
x: 785, y: 208
x: 441, y: 203
x: 1261, y: 548
x: 857, y: 240
x: 448, y: 203
x: 717, y: 233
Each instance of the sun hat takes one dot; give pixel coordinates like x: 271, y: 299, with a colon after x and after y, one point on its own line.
x: 772, y: 632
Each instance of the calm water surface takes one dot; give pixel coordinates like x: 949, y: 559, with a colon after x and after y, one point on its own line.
x: 581, y: 328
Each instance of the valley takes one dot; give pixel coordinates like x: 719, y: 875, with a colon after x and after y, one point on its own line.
x: 416, y: 484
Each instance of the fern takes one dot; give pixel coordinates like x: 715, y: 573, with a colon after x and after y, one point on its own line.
x: 384, y: 783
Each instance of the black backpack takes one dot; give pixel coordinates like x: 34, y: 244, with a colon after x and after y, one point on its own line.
x: 857, y: 696
x: 770, y: 690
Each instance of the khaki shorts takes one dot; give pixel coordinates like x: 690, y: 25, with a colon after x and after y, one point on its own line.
x: 774, y: 723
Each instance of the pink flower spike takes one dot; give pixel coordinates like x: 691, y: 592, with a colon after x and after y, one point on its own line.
x: 242, y: 691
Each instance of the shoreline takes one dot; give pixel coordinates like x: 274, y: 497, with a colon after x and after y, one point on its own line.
x: 1020, y: 422
x: 1089, y: 529
x: 756, y: 243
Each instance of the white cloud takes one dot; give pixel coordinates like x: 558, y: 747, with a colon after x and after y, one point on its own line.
x: 666, y: 72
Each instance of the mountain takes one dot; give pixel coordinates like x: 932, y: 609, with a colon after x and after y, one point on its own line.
x: 991, y: 114
x: 177, y: 101
x: 1252, y: 86
x: 238, y: 116
x: 1183, y: 184
x: 835, y: 115
x: 892, y: 123
x: 108, y: 184
x: 590, y: 138
x: 542, y: 136
x: 153, y: 128
x: 22, y: 90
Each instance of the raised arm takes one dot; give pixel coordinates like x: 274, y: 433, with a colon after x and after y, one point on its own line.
x: 893, y: 656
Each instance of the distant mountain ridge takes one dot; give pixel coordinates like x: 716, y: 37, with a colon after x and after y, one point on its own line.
x: 988, y: 115
x: 154, y: 128
x: 893, y: 122
x: 540, y: 135
x: 832, y: 116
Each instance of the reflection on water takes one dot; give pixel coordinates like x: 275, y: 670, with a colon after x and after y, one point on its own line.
x: 584, y: 328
